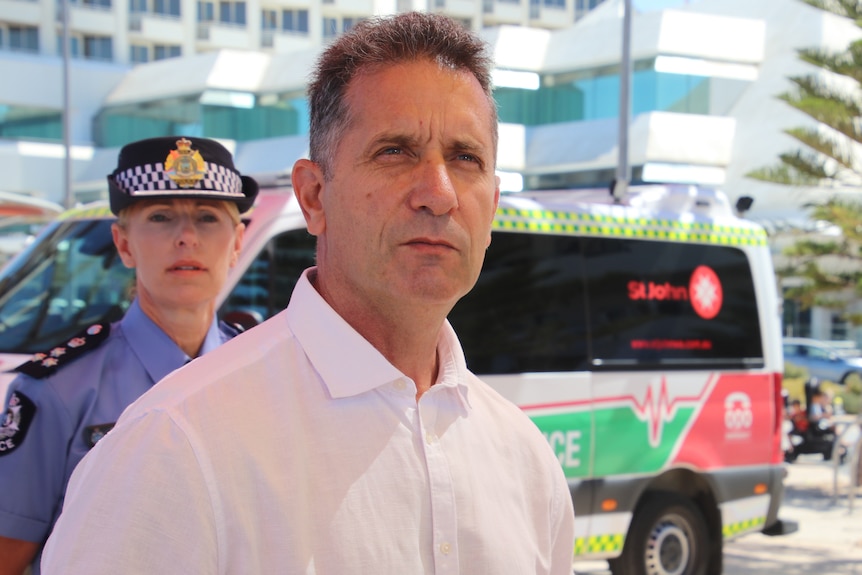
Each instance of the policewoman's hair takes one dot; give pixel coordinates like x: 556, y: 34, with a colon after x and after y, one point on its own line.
x: 178, y: 167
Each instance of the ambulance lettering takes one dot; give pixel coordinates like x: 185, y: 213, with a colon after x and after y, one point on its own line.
x: 566, y: 444
x: 704, y: 290
x: 738, y: 416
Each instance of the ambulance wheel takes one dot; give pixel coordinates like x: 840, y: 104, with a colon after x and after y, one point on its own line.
x: 668, y: 536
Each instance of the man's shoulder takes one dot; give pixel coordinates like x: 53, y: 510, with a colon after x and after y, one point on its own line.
x: 494, y: 401
x: 230, y: 365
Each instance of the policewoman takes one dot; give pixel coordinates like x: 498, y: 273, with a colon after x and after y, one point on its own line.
x: 178, y: 203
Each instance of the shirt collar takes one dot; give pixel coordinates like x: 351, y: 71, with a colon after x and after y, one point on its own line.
x: 347, y: 362
x: 156, y: 351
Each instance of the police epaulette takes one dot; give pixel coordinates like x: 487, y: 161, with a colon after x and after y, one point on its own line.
x: 44, y: 364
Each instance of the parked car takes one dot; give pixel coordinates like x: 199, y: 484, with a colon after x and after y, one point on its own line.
x: 821, y: 360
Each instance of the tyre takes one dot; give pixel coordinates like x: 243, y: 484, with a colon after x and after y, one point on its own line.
x: 668, y: 536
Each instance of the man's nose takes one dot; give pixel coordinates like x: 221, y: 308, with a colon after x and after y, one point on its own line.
x: 434, y: 190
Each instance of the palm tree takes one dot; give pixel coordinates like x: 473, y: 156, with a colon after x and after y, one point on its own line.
x: 830, y: 157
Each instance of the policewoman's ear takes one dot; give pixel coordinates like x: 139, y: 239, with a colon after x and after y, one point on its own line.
x: 308, y: 182
x: 121, y: 241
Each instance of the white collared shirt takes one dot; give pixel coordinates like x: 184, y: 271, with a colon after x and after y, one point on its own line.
x: 297, y: 448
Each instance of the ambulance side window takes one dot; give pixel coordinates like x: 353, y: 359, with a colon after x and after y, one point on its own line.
x: 266, y: 285
x: 670, y: 304
x: 69, y: 279
x: 526, y: 313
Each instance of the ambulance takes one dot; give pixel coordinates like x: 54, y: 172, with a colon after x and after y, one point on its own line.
x: 641, y: 336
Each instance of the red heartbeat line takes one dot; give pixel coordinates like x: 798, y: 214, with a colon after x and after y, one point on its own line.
x: 654, y: 411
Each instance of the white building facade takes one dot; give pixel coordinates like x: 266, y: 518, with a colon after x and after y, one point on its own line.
x: 704, y: 107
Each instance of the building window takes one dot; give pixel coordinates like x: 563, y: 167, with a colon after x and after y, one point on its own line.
x: 348, y: 23
x: 294, y: 21
x: 330, y: 27
x: 206, y: 12
x: 582, y: 7
x: 555, y: 3
x: 19, y: 38
x: 166, y: 7
x: 98, y: 48
x: 165, y: 51
x: 139, y: 54
x: 88, y: 47
x: 136, y: 6
x: 232, y: 13
x: 94, y: 3
x: 268, y: 19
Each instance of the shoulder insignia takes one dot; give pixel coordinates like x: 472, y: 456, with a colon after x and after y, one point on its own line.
x: 46, y: 363
x: 93, y: 433
x: 16, y: 421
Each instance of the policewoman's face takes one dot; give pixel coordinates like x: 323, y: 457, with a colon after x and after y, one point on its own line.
x: 181, y: 250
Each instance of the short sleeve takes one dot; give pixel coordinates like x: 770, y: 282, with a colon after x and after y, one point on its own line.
x: 35, y: 431
x: 137, y: 503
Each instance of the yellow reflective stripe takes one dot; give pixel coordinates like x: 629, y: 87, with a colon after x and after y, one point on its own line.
x: 573, y: 223
x: 732, y: 529
x: 100, y: 211
x: 598, y: 544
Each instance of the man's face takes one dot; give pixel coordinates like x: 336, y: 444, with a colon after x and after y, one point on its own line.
x: 407, y: 212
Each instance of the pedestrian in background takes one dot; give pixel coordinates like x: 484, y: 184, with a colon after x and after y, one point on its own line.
x: 178, y: 203
x: 346, y: 434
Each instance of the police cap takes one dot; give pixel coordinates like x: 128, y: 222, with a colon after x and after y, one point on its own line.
x: 177, y: 167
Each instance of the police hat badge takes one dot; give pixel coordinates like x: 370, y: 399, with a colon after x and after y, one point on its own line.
x: 178, y: 167
x: 184, y: 165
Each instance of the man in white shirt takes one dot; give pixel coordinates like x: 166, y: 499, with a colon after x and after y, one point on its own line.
x: 346, y: 434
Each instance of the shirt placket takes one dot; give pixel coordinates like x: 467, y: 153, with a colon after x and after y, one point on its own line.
x: 444, y: 522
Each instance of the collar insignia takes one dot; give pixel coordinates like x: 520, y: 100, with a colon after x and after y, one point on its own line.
x: 93, y: 433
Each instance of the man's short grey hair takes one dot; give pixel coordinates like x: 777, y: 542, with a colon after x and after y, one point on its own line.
x: 380, y: 42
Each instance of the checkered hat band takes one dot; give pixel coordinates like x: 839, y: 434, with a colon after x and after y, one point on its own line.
x: 152, y: 179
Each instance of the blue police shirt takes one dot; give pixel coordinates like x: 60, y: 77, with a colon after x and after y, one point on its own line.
x: 51, y: 422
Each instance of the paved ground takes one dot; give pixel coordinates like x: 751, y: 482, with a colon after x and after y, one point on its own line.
x: 829, y: 539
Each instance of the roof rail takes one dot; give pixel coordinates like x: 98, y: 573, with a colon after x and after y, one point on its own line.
x: 680, y: 199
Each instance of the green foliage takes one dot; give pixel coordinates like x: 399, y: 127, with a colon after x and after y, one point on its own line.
x: 825, y: 156
x: 806, y: 259
x: 826, y: 159
x: 851, y: 394
x: 793, y: 371
x: 848, y: 395
x: 795, y: 387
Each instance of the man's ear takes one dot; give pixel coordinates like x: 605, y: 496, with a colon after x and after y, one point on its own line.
x: 496, y: 203
x: 121, y: 241
x: 308, y: 183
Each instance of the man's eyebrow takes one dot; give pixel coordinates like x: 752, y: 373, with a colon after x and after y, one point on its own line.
x: 392, y: 138
x: 467, y: 146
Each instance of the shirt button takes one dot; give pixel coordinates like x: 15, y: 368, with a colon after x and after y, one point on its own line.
x: 445, y: 548
x: 430, y: 438
x: 400, y: 385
